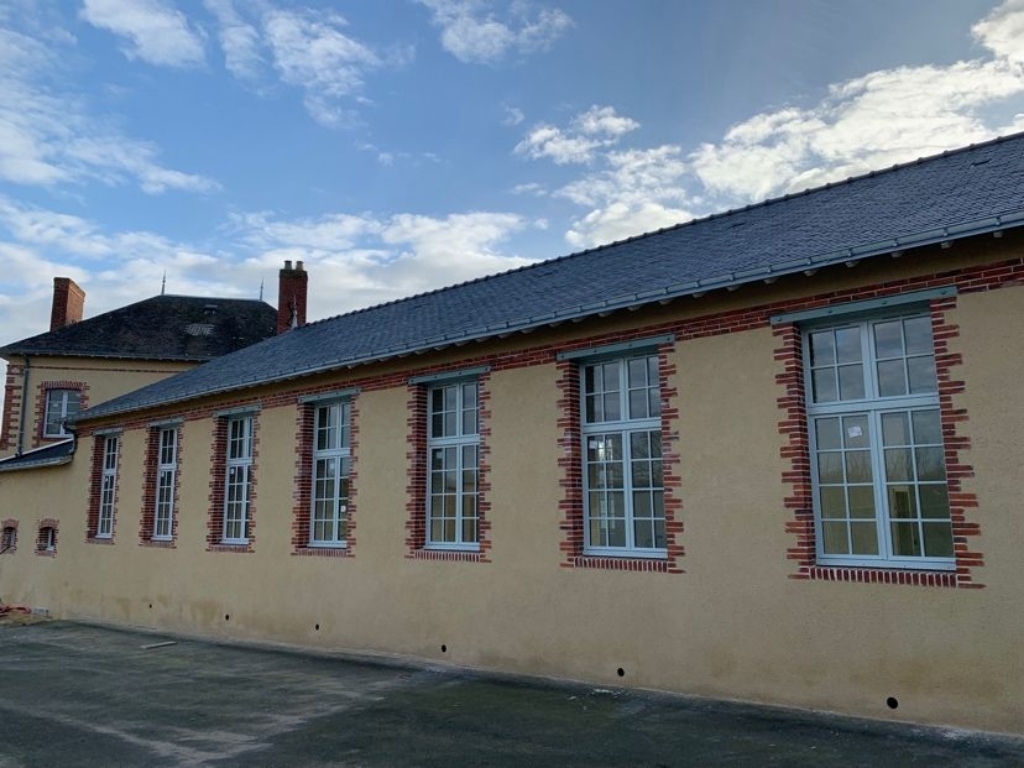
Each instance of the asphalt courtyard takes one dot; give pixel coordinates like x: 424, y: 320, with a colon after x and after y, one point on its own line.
x: 80, y: 695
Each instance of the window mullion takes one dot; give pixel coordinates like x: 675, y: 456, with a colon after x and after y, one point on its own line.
x: 881, y: 485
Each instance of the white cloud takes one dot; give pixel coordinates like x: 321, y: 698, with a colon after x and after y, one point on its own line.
x: 49, y: 137
x: 473, y: 35
x: 874, y: 121
x: 311, y: 52
x: 153, y: 30
x: 597, y: 128
x: 869, y: 122
x: 239, y: 40
x: 513, y: 116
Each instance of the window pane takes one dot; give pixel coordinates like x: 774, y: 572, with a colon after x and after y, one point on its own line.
x: 918, y: 331
x: 855, y: 432
x: 862, y: 501
x: 643, y: 534
x: 824, y: 381
x: 833, y: 501
x: 848, y: 348
x: 864, y: 537
x: 612, y: 407
x: 889, y: 339
x: 834, y: 539
x: 858, y: 467
x: 938, y: 539
x: 827, y: 434
x: 894, y: 429
x: 851, y: 382
x: 638, y: 404
x: 927, y: 428
x: 934, y: 501
x: 823, y: 348
x: 898, y: 464
x: 922, y: 374
x: 906, y: 540
x: 891, y: 381
x: 594, y: 413
x: 902, y: 502
x: 641, y: 504
x: 931, y: 464
x: 830, y: 467
x: 637, y: 372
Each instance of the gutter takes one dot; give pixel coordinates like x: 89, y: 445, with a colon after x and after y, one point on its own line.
x: 695, y: 288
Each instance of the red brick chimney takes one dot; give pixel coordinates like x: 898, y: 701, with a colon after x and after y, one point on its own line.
x: 68, y: 303
x: 291, y: 297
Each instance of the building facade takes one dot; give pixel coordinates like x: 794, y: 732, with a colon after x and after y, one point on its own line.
x: 792, y: 483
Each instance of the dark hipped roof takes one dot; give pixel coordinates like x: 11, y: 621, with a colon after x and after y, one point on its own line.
x: 957, y: 194
x: 186, y: 328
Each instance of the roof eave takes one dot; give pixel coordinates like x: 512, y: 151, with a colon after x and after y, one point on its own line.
x: 987, y: 225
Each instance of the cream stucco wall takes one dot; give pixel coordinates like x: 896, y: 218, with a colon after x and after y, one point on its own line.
x: 734, y: 625
x: 105, y: 378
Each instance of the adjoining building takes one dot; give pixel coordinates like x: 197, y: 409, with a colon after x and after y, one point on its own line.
x: 771, y: 455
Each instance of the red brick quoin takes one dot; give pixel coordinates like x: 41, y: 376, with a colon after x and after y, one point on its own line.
x: 218, y: 476
x: 571, y: 464
x: 302, y: 484
x: 416, y: 490
x: 96, y: 484
x: 793, y: 427
x: 147, y: 520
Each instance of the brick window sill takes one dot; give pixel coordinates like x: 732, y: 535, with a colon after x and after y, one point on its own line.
x: 636, y: 564
x: 323, y: 552
x: 108, y: 541
x: 882, y: 576
x: 231, y: 548
x: 158, y: 544
x: 449, y: 555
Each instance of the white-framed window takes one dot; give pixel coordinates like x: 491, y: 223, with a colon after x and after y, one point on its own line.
x: 877, y: 454
x: 61, y: 405
x: 47, y: 539
x: 166, y: 474
x: 238, y: 476
x: 453, y: 466
x: 9, y: 539
x: 331, y: 460
x: 623, y: 492
x: 108, y: 488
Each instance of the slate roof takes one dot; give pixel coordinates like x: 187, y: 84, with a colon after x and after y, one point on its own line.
x: 957, y: 194
x: 180, y: 328
x: 48, y: 456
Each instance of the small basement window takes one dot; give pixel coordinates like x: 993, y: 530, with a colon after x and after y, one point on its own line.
x: 8, y: 539
x: 47, y: 541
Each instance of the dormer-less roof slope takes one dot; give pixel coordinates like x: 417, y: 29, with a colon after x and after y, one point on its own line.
x: 179, y: 328
x: 946, y: 197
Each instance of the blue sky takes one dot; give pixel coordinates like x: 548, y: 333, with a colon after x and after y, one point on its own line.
x: 401, y: 145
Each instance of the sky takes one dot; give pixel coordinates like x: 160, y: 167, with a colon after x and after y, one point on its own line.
x: 397, y: 146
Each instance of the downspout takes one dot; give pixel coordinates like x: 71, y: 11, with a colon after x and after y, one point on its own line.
x: 24, y: 406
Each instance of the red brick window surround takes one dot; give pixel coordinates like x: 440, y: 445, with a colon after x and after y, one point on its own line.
x: 231, y: 521
x: 8, y: 536
x: 794, y: 428
x: 572, y: 462
x: 105, y: 470
x: 46, y: 537
x: 448, y: 508
x: 57, y: 402
x: 161, y: 485
x: 326, y: 474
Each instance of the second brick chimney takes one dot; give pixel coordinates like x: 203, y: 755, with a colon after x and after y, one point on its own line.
x: 68, y: 303
x: 291, y: 297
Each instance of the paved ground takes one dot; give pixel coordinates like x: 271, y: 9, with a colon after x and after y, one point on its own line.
x: 74, y: 695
